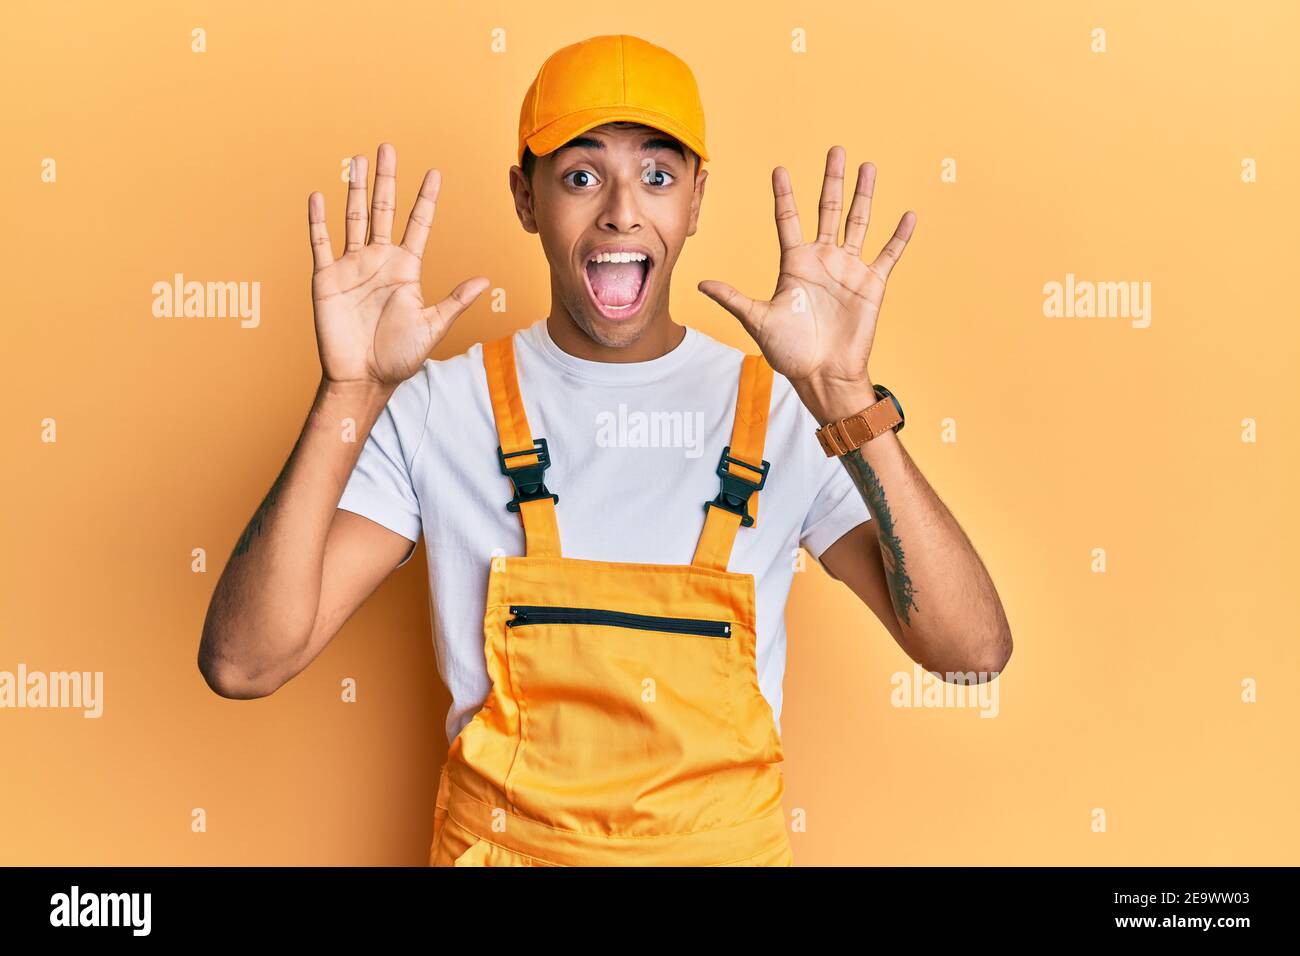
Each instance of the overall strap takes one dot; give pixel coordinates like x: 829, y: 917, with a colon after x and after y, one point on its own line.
x: 520, y: 458
x: 741, y: 468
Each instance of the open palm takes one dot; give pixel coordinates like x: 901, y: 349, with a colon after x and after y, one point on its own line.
x: 821, y: 319
x: 372, y: 325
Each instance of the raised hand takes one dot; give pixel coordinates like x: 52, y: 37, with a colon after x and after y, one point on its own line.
x: 372, y: 326
x: 820, y: 322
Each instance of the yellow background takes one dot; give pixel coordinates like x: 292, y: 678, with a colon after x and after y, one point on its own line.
x: 1124, y: 691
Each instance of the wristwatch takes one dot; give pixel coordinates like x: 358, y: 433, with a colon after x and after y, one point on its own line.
x: 841, y: 437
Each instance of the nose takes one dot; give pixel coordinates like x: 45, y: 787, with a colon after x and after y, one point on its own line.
x: 621, y: 212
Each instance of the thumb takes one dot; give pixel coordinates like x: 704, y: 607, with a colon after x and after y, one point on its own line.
x: 741, y: 306
x: 442, y: 314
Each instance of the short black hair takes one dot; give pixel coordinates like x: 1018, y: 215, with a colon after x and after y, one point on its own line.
x: 529, y: 161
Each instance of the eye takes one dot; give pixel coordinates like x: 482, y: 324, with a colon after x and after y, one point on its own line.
x: 580, y: 172
x: 655, y: 171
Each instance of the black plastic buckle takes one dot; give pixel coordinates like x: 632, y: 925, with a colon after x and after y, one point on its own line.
x: 527, y: 479
x: 734, y: 496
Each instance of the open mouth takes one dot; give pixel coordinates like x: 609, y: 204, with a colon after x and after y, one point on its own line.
x: 617, y: 282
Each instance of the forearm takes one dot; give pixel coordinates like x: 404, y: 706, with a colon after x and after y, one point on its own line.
x: 948, y: 609
x: 265, y: 603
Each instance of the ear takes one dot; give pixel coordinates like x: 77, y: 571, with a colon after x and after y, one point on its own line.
x: 523, y: 196
x: 697, y: 198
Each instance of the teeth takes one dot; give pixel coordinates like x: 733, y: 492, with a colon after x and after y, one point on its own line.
x: 618, y: 257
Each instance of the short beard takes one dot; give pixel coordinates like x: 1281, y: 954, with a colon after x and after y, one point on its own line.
x: 625, y: 334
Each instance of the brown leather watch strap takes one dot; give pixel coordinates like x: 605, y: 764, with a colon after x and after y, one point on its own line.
x: 841, y: 437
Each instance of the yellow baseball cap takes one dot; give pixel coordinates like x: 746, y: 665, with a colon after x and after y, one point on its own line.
x: 605, y: 79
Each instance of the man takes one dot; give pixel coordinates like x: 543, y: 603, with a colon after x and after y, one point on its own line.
x: 604, y: 463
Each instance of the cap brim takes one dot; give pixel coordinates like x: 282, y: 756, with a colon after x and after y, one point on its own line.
x: 556, y: 134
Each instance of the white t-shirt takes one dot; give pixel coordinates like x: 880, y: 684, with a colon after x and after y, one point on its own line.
x: 632, y: 482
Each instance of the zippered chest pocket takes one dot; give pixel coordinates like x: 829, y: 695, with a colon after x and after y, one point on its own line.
x: 628, y: 722
x: 528, y: 614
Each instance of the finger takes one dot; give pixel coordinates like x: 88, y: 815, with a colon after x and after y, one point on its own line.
x: 889, y: 255
x: 832, y: 201
x: 741, y: 306
x: 421, y: 218
x: 321, y: 254
x: 356, y: 210
x: 788, y: 231
x: 441, y: 315
x: 385, y: 198
x: 855, y: 227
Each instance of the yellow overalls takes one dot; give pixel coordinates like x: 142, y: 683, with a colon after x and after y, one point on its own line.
x: 625, y: 725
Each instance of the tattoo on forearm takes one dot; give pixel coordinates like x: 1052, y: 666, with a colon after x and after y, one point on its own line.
x: 891, y: 547
x: 255, y: 523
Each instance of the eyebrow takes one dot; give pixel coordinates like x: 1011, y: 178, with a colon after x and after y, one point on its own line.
x: 653, y: 143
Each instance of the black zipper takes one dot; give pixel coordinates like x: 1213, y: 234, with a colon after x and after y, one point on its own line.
x: 546, y: 614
